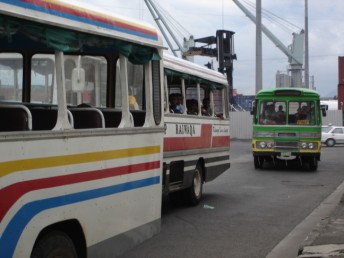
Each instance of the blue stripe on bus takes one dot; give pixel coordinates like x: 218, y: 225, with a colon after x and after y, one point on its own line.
x: 79, y: 19
x: 15, y: 227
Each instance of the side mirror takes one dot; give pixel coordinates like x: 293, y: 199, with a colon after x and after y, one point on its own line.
x: 253, y: 108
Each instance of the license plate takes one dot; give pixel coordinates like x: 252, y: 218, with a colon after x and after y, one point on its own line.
x: 285, y: 154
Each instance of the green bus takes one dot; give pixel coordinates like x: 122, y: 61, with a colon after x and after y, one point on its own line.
x: 287, y: 127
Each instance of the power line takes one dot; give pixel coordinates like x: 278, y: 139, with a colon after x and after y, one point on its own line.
x: 172, y: 21
x: 282, y: 22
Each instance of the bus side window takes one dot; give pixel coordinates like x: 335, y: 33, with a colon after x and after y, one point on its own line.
x: 192, y: 106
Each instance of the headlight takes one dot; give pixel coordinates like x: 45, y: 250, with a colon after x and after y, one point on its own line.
x: 269, y: 145
x: 304, y: 145
x: 309, y: 145
x: 265, y: 145
x: 262, y: 145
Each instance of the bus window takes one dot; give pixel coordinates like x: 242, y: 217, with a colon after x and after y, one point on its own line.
x: 95, y: 80
x: 192, y: 99
x: 42, y: 78
x: 280, y: 109
x: 11, y: 77
x: 218, y: 102
x: 92, y: 72
x: 272, y: 113
x: 267, y: 114
x: 136, y: 92
x: 136, y: 86
x: 175, y: 98
x: 302, y: 113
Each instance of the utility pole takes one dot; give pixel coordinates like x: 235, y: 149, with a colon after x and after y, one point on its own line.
x: 259, y: 62
x: 306, y: 47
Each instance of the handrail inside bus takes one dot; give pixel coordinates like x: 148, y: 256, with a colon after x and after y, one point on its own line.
x: 16, y: 117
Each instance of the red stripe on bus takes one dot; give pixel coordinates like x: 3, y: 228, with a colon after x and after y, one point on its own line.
x: 89, y: 16
x: 188, y: 143
x: 221, y: 141
x: 13, y: 192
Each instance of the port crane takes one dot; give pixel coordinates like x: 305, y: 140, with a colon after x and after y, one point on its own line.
x: 294, y: 52
x: 220, y: 46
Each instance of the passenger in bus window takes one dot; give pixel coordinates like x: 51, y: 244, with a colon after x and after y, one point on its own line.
x: 281, y: 115
x: 302, y: 113
x: 174, y: 103
x: 280, y: 110
x: 133, y: 103
x: 192, y: 106
x: 206, y: 110
x: 269, y: 115
x: 84, y: 105
x: 180, y: 106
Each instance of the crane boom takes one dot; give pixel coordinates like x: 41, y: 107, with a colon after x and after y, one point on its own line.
x: 270, y: 35
x: 294, y: 52
x: 158, y: 17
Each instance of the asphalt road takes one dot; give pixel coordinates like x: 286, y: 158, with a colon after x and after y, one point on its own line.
x: 245, y: 212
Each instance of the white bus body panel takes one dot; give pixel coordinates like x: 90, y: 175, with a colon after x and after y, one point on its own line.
x: 83, y: 176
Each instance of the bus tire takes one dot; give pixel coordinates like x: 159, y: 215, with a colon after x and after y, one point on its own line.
x: 313, y: 165
x: 330, y: 142
x: 258, y: 162
x: 193, y: 194
x: 54, y: 244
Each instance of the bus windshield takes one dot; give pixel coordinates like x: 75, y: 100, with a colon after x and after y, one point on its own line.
x: 284, y: 112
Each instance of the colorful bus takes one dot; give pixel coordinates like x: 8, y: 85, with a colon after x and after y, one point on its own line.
x: 80, y: 170
x: 287, y: 127
x: 197, y: 129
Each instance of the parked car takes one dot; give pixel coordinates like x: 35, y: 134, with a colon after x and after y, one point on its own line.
x: 332, y: 135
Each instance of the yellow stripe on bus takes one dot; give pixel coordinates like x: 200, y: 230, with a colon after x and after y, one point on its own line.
x: 9, y: 167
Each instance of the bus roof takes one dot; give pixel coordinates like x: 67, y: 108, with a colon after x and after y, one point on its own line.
x: 186, y: 67
x: 280, y: 92
x: 77, y: 16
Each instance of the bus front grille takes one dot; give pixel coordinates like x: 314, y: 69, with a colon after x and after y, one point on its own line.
x: 286, y: 134
x: 286, y: 145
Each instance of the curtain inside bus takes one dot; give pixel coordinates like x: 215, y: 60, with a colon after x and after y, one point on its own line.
x: 67, y: 40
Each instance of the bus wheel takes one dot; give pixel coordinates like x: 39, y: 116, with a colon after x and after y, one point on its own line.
x: 258, y: 162
x: 313, y: 165
x: 330, y: 143
x: 193, y: 195
x: 54, y: 244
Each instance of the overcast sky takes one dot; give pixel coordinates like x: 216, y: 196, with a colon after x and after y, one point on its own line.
x: 201, y: 18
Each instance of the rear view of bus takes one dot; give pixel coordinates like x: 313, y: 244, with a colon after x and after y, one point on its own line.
x: 287, y: 127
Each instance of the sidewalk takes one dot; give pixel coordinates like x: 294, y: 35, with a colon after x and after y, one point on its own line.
x: 327, y: 238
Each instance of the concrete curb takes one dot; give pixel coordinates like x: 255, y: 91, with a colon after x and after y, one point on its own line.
x: 309, y: 229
